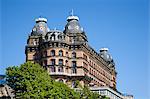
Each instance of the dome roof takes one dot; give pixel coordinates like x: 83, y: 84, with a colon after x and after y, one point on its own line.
x: 73, y: 26
x: 40, y: 27
x: 105, y: 55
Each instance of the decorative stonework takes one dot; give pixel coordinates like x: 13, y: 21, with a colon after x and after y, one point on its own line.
x: 76, y: 61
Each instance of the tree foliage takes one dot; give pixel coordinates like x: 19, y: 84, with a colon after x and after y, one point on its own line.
x: 85, y: 93
x: 32, y: 81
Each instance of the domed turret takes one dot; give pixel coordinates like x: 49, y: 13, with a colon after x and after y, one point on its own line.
x: 73, y: 25
x: 74, y: 31
x: 40, y: 27
x: 105, y: 55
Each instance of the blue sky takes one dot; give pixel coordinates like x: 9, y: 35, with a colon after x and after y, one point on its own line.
x: 120, y: 25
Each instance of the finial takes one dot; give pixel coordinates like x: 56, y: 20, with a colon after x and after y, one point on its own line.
x: 72, y: 12
x: 72, y: 17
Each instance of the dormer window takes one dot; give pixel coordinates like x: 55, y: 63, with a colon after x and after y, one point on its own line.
x: 52, y: 37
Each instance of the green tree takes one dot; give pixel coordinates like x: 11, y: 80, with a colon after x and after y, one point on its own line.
x: 32, y: 81
x: 85, y: 93
x: 104, y: 97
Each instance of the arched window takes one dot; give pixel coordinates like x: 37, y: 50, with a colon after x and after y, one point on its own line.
x: 74, y: 55
x: 61, y: 80
x: 60, y: 69
x: 60, y: 62
x: 74, y: 84
x: 60, y: 53
x: 45, y: 62
x: 52, y: 52
x: 74, y: 64
x: 52, y: 61
x: 35, y: 42
x: 52, y: 37
x: 52, y: 69
x: 60, y: 37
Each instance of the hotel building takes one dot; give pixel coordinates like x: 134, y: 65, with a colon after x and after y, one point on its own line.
x: 68, y: 57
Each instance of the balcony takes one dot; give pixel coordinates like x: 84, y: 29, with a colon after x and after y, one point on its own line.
x: 65, y: 74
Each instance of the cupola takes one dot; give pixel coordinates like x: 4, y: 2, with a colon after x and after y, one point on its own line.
x: 40, y: 27
x: 73, y: 25
x: 105, y: 55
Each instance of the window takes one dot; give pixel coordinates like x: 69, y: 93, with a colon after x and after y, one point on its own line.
x: 84, y: 64
x: 73, y: 55
x: 35, y: 42
x: 84, y: 57
x: 61, y: 80
x: 30, y: 49
x: 74, y: 65
x: 45, y: 62
x: 74, y: 84
x: 52, y: 61
x: 45, y: 53
x: 52, y: 52
x: 60, y: 53
x: 67, y: 71
x: 52, y: 37
x: 52, y: 69
x: 60, y: 62
x: 60, y: 69
x: 74, y: 70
